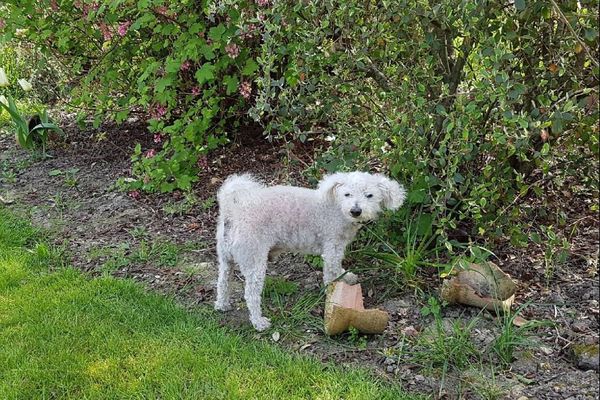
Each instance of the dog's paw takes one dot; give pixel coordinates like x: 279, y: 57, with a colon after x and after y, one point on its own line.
x: 261, y: 324
x: 350, y: 278
x: 223, y: 306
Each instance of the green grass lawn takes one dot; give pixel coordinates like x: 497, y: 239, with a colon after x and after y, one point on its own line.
x: 64, y: 335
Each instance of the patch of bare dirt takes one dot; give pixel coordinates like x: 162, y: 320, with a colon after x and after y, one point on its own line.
x: 167, y: 242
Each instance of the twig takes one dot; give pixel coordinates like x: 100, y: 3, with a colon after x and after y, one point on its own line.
x: 581, y: 42
x: 553, y: 377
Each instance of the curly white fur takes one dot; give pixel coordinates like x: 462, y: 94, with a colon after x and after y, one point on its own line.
x: 257, y: 222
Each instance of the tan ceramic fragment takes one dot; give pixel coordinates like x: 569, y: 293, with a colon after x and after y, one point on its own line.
x: 344, y: 309
x: 481, y: 285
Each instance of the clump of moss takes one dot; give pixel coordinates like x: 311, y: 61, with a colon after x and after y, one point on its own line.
x: 586, y: 355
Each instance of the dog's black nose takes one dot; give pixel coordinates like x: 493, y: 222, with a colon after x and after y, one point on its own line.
x: 355, y: 211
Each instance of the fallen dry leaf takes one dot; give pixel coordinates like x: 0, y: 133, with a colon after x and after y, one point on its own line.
x: 193, y: 226
x: 519, y: 321
x: 305, y: 346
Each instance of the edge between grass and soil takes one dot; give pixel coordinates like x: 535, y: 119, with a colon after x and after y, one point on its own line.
x: 65, y: 335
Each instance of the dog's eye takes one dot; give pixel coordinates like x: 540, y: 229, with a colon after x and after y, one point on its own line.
x: 347, y: 194
x: 368, y: 195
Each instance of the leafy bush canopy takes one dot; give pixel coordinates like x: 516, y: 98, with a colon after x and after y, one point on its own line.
x: 476, y: 105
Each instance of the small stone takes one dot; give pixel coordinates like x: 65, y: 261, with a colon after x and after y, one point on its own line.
x: 524, y: 364
x: 516, y: 392
x: 275, y: 336
x: 389, y: 361
x: 556, y: 298
x: 410, y: 331
x: 419, y: 378
x: 580, y: 326
x: 591, y: 294
x: 586, y: 356
x: 395, y: 304
x: 546, y: 350
x: 203, y: 266
x: 545, y: 366
x: 523, y: 398
x: 390, y: 369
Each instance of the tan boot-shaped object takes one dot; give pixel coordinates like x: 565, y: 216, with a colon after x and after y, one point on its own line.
x: 344, y: 309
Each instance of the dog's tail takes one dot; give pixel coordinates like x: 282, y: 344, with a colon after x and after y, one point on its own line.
x: 233, y: 188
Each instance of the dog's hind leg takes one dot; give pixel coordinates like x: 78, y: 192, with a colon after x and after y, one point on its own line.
x: 223, y: 302
x: 254, y: 270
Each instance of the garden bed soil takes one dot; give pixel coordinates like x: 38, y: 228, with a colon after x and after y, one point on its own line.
x: 73, y: 194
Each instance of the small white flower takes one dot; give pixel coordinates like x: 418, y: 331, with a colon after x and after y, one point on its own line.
x: 3, y: 78
x: 3, y: 100
x: 25, y: 84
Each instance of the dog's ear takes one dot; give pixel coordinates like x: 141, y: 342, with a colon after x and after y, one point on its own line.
x: 393, y: 193
x: 328, y: 185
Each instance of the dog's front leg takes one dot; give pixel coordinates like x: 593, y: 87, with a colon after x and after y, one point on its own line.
x: 332, y: 266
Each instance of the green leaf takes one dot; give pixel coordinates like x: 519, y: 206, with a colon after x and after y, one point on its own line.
x: 196, y: 28
x: 250, y: 67
x: 184, y: 182
x: 557, y: 125
x: 162, y: 84
x: 523, y: 123
x: 14, y: 112
x: 207, y: 52
x: 121, y: 115
x: 172, y: 66
x: 231, y: 83
x: 545, y: 149
x: 216, y: 32
x: 205, y: 73
x: 424, y: 224
x: 591, y: 34
x: 55, y: 172
x: 46, y: 125
x: 416, y: 196
x: 166, y: 187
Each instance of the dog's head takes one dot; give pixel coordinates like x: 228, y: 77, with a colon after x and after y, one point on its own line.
x: 361, y: 196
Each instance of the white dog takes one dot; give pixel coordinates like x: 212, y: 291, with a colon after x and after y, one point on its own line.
x: 257, y: 222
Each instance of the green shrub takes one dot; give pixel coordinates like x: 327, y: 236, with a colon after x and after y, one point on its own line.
x: 188, y: 66
x: 476, y: 106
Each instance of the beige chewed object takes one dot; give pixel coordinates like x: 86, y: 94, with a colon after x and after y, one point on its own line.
x: 481, y: 285
x: 344, y: 309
